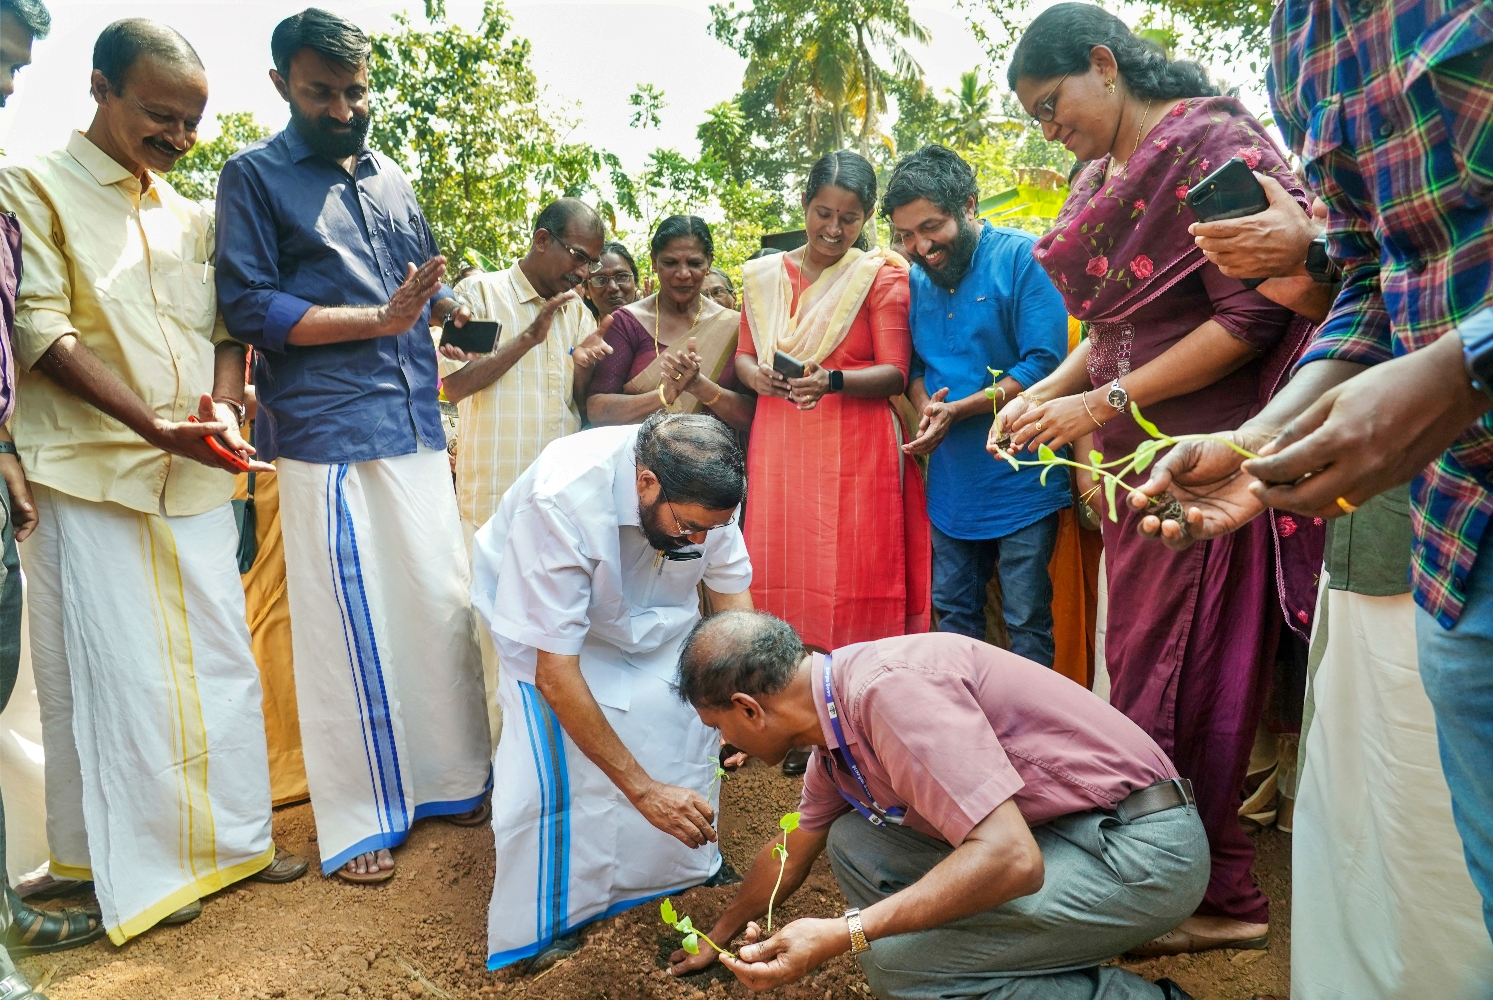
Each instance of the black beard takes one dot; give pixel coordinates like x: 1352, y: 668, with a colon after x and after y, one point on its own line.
x: 318, y: 134
x: 648, y: 520
x: 959, y: 257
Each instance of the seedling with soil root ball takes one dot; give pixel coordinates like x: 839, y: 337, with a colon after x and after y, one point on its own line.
x: 1165, y: 506
x: 692, y: 934
x: 787, y: 824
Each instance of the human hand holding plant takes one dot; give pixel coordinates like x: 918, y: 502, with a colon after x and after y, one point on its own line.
x: 1207, y: 481
x: 792, y: 952
x: 1055, y: 423
x: 692, y: 936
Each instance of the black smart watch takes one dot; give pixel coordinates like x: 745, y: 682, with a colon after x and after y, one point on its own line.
x: 836, y: 380
x: 1319, y: 265
x: 1477, y: 349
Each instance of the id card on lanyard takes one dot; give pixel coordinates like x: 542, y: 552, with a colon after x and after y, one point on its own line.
x: 891, y: 815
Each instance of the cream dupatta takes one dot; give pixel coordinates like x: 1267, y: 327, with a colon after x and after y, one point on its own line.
x: 715, y: 343
x: 825, y: 309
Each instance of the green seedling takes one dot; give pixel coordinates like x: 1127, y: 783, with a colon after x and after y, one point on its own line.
x: 720, y: 775
x: 692, y: 934
x: 788, y: 824
x: 1164, y: 506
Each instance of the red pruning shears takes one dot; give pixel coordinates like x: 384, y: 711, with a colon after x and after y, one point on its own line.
x: 233, y: 458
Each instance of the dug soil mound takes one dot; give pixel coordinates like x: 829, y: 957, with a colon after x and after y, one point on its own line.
x: 423, y: 934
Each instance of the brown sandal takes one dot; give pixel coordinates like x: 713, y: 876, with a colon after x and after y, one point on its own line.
x: 365, y: 878
x: 474, y: 817
x: 285, y: 868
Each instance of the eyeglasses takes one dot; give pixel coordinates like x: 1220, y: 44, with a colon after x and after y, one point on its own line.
x: 601, y: 281
x: 683, y: 531
x: 1047, y: 108
x: 593, y: 264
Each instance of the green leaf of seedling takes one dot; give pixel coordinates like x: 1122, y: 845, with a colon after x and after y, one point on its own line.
x: 1045, y: 470
x: 691, y: 944
x: 1096, y: 459
x: 1046, y: 454
x: 789, y: 822
x: 720, y: 772
x: 779, y: 851
x: 1109, y: 497
x: 685, y: 926
x: 995, y: 373
x: 666, y: 910
x: 1143, y: 423
x: 1146, y: 454
x: 990, y: 392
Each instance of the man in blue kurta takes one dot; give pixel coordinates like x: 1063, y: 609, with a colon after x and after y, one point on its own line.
x: 327, y: 266
x: 980, y: 302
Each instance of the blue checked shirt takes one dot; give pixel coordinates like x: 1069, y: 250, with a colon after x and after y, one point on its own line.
x: 1389, y: 104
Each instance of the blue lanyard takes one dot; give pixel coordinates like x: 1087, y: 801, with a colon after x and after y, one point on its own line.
x: 875, y: 814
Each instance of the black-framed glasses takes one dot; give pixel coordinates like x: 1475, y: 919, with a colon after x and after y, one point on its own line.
x: 1047, y: 108
x: 683, y: 531
x: 593, y: 264
x: 601, y: 281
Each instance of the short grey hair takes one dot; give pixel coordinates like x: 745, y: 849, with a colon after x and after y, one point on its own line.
x: 32, y: 14
x: 737, y: 652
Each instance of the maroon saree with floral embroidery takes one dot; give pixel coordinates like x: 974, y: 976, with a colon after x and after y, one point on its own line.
x: 1191, y: 637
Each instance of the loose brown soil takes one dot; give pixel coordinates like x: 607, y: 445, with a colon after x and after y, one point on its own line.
x: 423, y: 934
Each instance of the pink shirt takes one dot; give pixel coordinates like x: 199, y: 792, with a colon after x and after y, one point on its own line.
x: 950, y: 728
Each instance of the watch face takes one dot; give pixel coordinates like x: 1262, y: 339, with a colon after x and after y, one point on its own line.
x: 1118, y: 397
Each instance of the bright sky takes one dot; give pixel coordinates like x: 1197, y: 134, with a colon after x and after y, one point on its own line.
x: 588, y: 54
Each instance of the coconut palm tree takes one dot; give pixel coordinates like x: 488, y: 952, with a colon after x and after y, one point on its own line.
x: 969, y: 118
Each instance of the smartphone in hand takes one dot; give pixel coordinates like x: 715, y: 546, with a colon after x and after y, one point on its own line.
x: 478, y: 336
x: 1230, y: 192
x: 787, y: 365
x: 222, y: 450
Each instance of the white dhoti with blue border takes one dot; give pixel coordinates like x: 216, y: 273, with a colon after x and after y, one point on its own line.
x: 388, y: 676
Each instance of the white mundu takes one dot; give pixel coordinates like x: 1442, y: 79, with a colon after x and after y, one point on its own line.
x: 564, y: 566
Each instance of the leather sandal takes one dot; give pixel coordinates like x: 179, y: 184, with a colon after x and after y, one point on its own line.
x: 38, y: 932
x: 366, y: 878
x: 52, y: 887
x: 185, y: 915
x: 285, y: 868
x: 473, y: 817
x: 15, y: 987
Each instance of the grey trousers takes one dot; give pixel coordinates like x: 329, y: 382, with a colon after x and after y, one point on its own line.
x: 10, y: 665
x: 1109, y: 886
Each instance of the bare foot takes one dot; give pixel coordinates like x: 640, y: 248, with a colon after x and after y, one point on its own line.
x: 1204, y: 933
x: 371, y: 863
x: 1222, y: 928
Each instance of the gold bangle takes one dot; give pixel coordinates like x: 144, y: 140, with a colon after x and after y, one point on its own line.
x: 662, y: 399
x: 1085, y: 397
x: 1090, y: 494
x: 718, y: 392
x: 1026, y: 394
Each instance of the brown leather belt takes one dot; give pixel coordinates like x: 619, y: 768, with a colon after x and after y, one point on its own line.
x: 1163, y: 795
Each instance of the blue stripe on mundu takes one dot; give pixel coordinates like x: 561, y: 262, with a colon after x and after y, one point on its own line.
x: 539, y: 771
x: 502, y: 959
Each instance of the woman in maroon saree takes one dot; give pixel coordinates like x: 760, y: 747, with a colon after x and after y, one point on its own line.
x: 1192, y: 635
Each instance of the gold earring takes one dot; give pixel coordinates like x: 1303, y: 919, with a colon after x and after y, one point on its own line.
x: 1111, y: 85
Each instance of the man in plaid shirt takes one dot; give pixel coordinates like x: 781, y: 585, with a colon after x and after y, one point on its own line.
x: 1389, y: 104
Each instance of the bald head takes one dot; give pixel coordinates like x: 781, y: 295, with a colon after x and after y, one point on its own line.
x: 124, y: 43
x: 737, y: 652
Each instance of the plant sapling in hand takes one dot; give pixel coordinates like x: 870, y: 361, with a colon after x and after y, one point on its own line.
x: 788, y: 824
x: 686, y: 927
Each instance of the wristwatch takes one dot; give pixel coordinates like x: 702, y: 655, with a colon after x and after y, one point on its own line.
x: 238, y: 408
x: 1320, y: 266
x: 1117, y: 396
x: 836, y: 380
x: 858, y: 942
x: 1477, y: 349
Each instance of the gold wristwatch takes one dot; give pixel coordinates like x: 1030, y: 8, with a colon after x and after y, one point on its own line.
x: 858, y: 942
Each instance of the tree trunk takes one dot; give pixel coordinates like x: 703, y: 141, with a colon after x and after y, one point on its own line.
x: 868, y: 120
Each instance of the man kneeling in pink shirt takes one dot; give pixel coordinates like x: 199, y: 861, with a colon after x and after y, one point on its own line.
x: 999, y: 831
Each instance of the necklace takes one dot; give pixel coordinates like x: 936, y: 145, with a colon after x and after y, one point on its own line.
x: 1139, y: 133
x: 658, y: 317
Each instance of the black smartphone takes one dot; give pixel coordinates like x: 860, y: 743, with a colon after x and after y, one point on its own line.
x: 787, y: 365
x: 479, y: 336
x: 1230, y: 192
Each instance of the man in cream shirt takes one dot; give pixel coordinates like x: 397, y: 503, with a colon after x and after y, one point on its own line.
x: 527, y: 392
x: 156, y: 770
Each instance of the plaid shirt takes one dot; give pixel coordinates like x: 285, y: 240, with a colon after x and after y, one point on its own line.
x: 1389, y: 104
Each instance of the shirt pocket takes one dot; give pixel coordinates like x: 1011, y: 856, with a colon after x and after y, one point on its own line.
x: 1456, y: 58
x: 196, y: 301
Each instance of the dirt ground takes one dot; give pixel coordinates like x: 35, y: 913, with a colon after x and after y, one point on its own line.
x: 424, y: 932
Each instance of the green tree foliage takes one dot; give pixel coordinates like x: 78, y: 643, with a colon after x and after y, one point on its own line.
x: 196, y: 174
x: 462, y: 112
x: 648, y: 104
x: 970, y: 117
x: 830, y: 65
x: 1235, y: 31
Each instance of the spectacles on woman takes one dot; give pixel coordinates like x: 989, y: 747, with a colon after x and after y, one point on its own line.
x: 622, y: 281
x: 593, y: 264
x: 1047, y: 108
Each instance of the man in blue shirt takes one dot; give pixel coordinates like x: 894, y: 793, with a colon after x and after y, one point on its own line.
x: 327, y: 266
x: 979, y: 302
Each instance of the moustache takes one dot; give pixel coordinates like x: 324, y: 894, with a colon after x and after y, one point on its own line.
x: 161, y: 145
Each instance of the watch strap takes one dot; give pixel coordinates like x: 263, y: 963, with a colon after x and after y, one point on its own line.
x: 9, y: 448
x: 858, y: 942
x: 1476, y: 332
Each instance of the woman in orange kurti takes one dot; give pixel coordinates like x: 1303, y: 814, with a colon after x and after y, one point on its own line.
x: 835, y: 519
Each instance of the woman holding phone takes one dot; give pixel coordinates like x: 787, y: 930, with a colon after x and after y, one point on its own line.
x: 674, y: 346
x: 1192, y: 636
x: 836, y: 524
